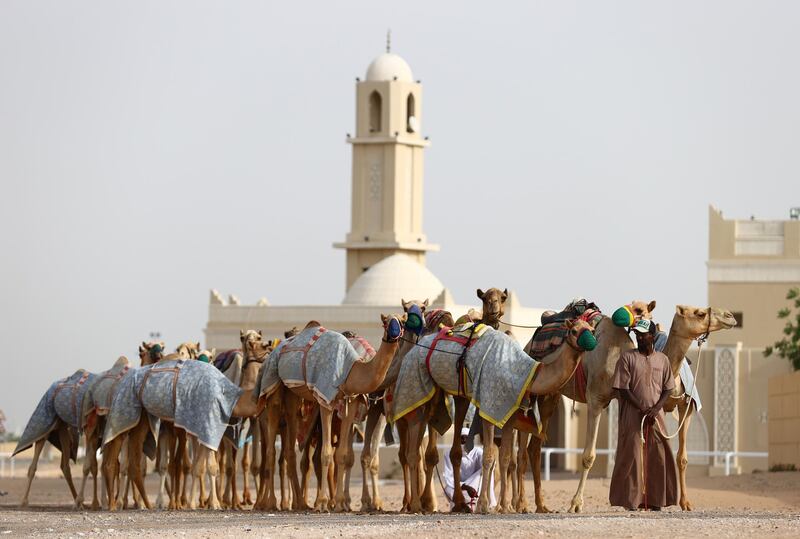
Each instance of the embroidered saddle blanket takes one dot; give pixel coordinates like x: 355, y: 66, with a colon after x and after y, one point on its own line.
x: 316, y: 358
x: 62, y: 400
x: 553, y: 332
x: 193, y: 395
x: 495, y: 376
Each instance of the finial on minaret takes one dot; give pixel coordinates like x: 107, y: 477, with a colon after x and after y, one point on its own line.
x: 389, y: 40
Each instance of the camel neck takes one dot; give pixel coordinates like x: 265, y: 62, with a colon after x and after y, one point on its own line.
x: 364, y: 378
x: 676, y: 348
x: 554, y: 373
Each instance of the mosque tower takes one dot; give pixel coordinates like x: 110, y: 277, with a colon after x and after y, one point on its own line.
x: 386, y: 206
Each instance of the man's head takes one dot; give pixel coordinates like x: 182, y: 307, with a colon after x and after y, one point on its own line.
x: 645, y: 331
x: 464, y: 435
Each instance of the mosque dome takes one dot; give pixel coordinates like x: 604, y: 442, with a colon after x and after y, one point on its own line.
x: 394, y: 278
x: 387, y: 66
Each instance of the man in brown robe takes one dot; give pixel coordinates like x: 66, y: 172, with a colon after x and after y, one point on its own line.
x: 644, y: 380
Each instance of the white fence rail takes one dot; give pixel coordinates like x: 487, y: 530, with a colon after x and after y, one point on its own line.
x: 727, y: 455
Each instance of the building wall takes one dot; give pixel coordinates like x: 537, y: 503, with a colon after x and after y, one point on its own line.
x: 784, y: 419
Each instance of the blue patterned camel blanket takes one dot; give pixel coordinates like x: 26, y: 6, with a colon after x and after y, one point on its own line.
x: 63, y: 400
x: 497, y: 374
x: 193, y: 395
x: 101, y: 394
x: 316, y: 358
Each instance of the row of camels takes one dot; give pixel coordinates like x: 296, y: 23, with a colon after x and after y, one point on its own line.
x: 311, y: 389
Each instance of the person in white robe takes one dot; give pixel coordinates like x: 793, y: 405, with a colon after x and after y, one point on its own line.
x: 471, y: 470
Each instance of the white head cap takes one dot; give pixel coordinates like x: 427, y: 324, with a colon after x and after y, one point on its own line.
x: 464, y: 431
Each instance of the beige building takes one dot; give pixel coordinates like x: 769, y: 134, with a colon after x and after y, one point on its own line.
x: 386, y: 247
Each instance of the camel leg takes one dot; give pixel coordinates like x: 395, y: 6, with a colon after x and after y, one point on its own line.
x: 282, y: 477
x: 262, y: 473
x: 341, y: 455
x: 179, y: 484
x: 521, y: 505
x: 349, y: 462
x: 255, y: 460
x: 489, y: 460
x: 547, y: 406
x: 111, y: 470
x: 37, y: 450
x: 299, y: 499
x: 89, y: 442
x: 369, y: 458
x: 234, y: 494
x: 205, y: 454
x: 66, y: 448
x: 135, y: 446
x: 93, y: 468
x: 402, y: 431
x: 512, y: 475
x: 589, y: 453
x: 246, y: 500
x: 326, y: 450
x: 428, y: 499
x: 162, y: 463
x: 414, y: 427
x: 267, y: 499
x: 456, y: 452
x: 198, y: 472
x: 506, y: 446
x: 185, y: 469
x: 683, y: 459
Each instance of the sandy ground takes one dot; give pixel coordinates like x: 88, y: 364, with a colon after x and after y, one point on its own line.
x: 767, y: 503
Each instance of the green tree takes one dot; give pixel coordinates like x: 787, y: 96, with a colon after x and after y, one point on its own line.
x: 789, y: 346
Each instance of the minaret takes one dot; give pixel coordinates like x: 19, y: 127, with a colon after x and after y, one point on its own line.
x: 386, y: 208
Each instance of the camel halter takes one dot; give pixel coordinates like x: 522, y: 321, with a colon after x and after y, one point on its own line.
x: 701, y: 340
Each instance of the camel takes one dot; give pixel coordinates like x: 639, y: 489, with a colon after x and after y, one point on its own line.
x: 361, y: 379
x: 95, y: 407
x: 688, y: 324
x: 243, y: 405
x: 594, y: 388
x: 254, y: 350
x: 598, y: 392
x: 376, y: 418
x: 553, y: 371
x: 57, y: 420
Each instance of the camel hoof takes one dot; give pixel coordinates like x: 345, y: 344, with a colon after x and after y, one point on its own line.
x: 23, y: 503
x: 542, y: 509
x: 483, y: 508
x: 461, y: 508
x: 686, y: 505
x: 96, y: 506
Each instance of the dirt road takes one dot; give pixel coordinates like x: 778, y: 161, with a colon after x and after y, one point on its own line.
x: 726, y: 507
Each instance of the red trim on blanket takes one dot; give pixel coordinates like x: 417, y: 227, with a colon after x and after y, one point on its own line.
x: 444, y: 335
x: 304, y: 349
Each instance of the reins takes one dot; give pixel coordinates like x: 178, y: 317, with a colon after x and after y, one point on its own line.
x: 519, y: 326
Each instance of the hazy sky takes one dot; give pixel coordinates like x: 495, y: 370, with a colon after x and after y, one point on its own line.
x: 150, y: 151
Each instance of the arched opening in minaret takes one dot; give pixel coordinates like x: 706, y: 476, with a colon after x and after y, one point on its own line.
x: 411, y: 115
x: 375, y: 112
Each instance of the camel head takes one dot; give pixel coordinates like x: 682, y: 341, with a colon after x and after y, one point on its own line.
x: 438, y: 318
x: 188, y: 350
x: 393, y: 326
x: 415, y: 315
x: 291, y: 333
x: 121, y: 361
x: 692, y: 322
x: 151, y: 352
x: 253, y: 345
x: 641, y: 310
x: 580, y: 335
x: 628, y: 315
x: 206, y: 356
x: 493, y: 302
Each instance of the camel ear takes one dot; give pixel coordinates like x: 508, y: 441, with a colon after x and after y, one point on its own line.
x: 198, y: 346
x: 259, y: 333
x: 681, y: 310
x: 651, y: 306
x: 241, y: 334
x: 425, y: 303
x: 404, y: 303
x: 384, y: 318
x: 404, y: 318
x: 213, y: 352
x: 480, y: 294
x: 505, y: 294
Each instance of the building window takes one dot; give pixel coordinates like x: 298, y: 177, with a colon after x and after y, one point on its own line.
x: 739, y: 319
x: 375, y: 112
x: 411, y: 118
